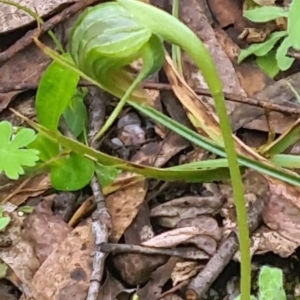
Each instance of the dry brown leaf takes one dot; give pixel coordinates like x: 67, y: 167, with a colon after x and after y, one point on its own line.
x: 173, y: 237
x: 26, y: 67
x: 12, y: 18
x: 227, y: 12
x: 136, y: 268
x: 123, y: 206
x: 267, y: 240
x: 20, y: 256
x: 169, y: 214
x: 17, y: 192
x: 185, y: 270
x: 110, y: 289
x: 44, y: 230
x: 66, y: 272
x: 158, y: 279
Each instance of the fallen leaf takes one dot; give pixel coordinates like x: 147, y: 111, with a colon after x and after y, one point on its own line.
x: 29, y: 64
x: 170, y: 213
x: 44, y: 230
x: 13, y: 18
x: 227, y: 12
x: 185, y: 270
x: 173, y: 237
x: 20, y: 257
x: 66, y: 272
x: 123, y: 206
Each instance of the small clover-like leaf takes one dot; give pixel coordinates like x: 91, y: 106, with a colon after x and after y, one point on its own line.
x: 106, y: 175
x: 12, y: 153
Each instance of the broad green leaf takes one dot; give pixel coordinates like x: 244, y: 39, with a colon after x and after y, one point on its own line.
x: 262, y: 49
x: 74, y: 173
x: 265, y: 14
x: 268, y: 63
x: 76, y: 114
x: 47, y: 148
x: 4, y: 221
x: 270, y: 283
x: 106, y: 175
x: 55, y: 91
x: 12, y: 152
x: 283, y: 61
x: 294, y: 24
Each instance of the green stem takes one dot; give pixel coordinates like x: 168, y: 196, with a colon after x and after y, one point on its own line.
x: 176, y: 51
x: 177, y: 33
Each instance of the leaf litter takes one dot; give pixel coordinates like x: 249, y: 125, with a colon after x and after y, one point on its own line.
x: 52, y: 260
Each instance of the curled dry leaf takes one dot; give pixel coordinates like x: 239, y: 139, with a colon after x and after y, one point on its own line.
x: 173, y: 237
x: 44, y: 230
x: 169, y: 214
x: 206, y: 225
x: 65, y: 274
x: 17, y: 192
x: 185, y: 270
x: 269, y: 240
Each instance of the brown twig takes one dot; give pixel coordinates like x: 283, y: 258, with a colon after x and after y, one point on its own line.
x: 101, y: 220
x: 202, y: 282
x: 235, y: 98
x: 186, y: 252
x: 6, y: 87
x: 27, y: 39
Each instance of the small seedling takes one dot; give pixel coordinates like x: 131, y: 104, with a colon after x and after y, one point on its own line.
x: 13, y: 152
x: 271, y: 58
x: 4, y: 221
x: 270, y: 284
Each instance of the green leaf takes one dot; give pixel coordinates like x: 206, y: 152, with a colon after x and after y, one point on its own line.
x: 262, y: 49
x: 55, y: 91
x: 283, y: 61
x: 3, y: 270
x: 74, y: 173
x: 12, y: 152
x: 286, y: 160
x: 76, y: 114
x: 270, y: 283
x: 294, y: 24
x: 4, y: 221
x: 268, y: 63
x: 189, y: 175
x: 106, y: 174
x: 265, y: 14
x: 26, y: 209
x: 47, y: 148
